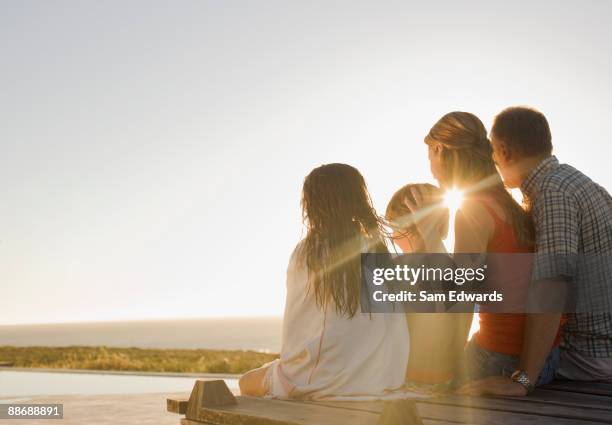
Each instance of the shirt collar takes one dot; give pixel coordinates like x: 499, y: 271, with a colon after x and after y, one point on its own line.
x: 530, y: 185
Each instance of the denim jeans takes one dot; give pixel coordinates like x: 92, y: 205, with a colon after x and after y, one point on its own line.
x: 480, y: 363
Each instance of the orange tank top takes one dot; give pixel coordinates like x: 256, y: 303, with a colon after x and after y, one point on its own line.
x: 504, y: 332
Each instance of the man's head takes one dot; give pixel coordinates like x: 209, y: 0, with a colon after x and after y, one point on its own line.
x: 520, y: 138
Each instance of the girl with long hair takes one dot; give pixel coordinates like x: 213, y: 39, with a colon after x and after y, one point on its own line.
x: 330, y: 348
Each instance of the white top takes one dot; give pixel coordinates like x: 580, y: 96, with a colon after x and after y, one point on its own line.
x: 328, y: 356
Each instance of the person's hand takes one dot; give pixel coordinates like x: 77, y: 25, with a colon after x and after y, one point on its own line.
x: 493, y: 385
x: 424, y: 195
x: 427, y: 211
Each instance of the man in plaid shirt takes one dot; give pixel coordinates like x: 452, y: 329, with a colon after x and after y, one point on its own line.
x: 572, y: 216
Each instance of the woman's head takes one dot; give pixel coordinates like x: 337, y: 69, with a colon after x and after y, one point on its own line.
x: 402, y: 220
x: 339, y: 216
x: 460, y: 154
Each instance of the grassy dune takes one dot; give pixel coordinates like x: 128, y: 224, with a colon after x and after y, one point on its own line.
x: 135, y: 359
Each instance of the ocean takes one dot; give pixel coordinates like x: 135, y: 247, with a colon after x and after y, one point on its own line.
x: 261, y: 334
x: 31, y: 383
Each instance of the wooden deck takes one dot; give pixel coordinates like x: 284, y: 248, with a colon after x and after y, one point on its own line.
x: 561, y: 403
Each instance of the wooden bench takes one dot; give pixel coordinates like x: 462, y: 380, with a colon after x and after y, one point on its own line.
x: 562, y: 403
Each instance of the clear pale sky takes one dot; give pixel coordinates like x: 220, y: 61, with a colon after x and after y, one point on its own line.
x: 152, y: 152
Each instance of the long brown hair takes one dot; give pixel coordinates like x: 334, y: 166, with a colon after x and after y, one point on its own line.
x: 467, y: 163
x: 338, y: 212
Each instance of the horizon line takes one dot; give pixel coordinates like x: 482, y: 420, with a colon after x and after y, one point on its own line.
x: 155, y: 319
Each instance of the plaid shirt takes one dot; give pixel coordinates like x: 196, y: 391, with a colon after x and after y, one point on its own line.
x: 573, y: 219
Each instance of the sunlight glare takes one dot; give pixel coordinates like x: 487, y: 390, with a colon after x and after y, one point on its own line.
x: 453, y: 199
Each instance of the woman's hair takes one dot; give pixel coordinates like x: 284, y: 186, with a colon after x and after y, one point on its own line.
x: 338, y: 212
x: 467, y: 164
x: 400, y: 218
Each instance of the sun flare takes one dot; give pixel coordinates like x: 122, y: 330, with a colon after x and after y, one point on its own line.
x: 453, y: 199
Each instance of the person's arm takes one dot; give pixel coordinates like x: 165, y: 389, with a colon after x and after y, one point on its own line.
x: 557, y: 223
x: 540, y: 332
x: 557, y: 226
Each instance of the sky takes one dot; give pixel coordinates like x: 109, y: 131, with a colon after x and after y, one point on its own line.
x: 152, y: 152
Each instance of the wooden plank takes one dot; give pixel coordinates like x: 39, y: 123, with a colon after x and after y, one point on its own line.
x: 527, y: 406
x: 595, y: 388
x: 185, y: 421
x: 175, y: 405
x: 460, y: 414
x: 571, y: 399
x: 258, y: 411
x: 543, y: 407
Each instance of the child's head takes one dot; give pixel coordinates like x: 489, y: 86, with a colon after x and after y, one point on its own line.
x: 402, y: 222
x: 338, y: 212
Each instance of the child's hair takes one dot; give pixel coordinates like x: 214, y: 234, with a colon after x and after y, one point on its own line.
x: 401, y: 219
x: 338, y: 212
